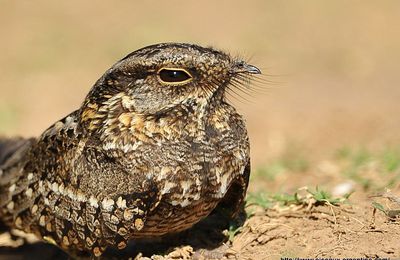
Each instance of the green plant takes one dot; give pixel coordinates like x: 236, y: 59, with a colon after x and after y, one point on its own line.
x: 391, y: 213
x: 233, y: 230
x: 323, y: 197
x: 391, y: 159
x: 320, y: 196
x: 287, y: 199
x: 259, y: 199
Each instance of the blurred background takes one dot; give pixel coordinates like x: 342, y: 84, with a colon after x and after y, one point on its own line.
x: 334, y: 64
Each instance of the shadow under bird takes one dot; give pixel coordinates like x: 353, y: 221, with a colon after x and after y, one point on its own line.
x: 154, y: 148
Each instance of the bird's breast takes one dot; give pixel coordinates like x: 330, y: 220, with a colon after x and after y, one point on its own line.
x: 189, y: 162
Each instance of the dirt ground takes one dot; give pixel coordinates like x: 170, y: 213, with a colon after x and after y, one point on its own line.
x: 353, y: 228
x: 333, y: 83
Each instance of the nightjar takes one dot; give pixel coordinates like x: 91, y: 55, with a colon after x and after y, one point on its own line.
x: 153, y: 149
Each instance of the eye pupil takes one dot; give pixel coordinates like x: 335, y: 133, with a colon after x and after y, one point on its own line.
x: 172, y: 75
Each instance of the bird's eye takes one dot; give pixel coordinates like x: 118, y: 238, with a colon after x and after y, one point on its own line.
x: 174, y: 76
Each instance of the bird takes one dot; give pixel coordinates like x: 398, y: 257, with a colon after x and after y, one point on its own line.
x: 154, y: 148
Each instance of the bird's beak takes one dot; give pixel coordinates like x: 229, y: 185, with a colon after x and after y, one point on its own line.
x: 242, y: 67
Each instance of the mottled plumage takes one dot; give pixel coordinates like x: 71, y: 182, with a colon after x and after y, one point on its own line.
x: 153, y: 149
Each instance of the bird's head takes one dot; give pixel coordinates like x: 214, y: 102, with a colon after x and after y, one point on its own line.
x: 162, y: 76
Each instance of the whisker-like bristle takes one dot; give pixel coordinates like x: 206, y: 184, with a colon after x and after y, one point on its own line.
x: 236, y: 96
x: 236, y: 90
x: 251, y: 87
x: 241, y: 87
x: 257, y: 78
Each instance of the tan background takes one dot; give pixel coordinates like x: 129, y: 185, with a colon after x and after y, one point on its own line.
x: 336, y: 62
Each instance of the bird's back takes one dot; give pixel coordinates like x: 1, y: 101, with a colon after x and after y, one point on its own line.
x: 10, y: 146
x: 12, y: 150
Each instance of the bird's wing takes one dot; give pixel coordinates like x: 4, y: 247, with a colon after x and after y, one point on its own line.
x: 112, y: 205
x: 12, y: 149
x: 12, y: 152
x: 233, y: 202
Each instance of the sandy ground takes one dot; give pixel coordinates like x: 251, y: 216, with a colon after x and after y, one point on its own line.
x: 333, y: 67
